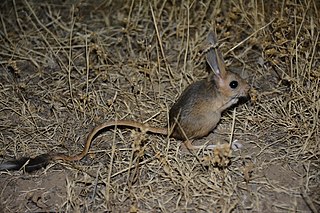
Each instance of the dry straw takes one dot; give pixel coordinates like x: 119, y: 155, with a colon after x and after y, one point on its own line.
x: 69, y: 65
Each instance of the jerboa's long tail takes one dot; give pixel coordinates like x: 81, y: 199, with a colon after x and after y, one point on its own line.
x: 32, y: 164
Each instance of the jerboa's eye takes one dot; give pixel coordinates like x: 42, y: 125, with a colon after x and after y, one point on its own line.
x: 233, y: 84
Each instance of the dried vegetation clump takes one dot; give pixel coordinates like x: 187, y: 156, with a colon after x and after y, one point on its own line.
x: 67, y: 66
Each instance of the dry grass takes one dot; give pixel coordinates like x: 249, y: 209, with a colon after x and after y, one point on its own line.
x: 66, y: 67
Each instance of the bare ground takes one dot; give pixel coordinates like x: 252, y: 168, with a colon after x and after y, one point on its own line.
x: 67, y: 66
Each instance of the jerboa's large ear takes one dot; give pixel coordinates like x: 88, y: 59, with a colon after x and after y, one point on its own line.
x: 214, y: 56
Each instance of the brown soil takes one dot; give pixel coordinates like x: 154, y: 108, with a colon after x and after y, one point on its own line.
x: 67, y: 66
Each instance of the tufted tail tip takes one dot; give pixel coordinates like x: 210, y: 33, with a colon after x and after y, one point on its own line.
x: 27, y: 164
